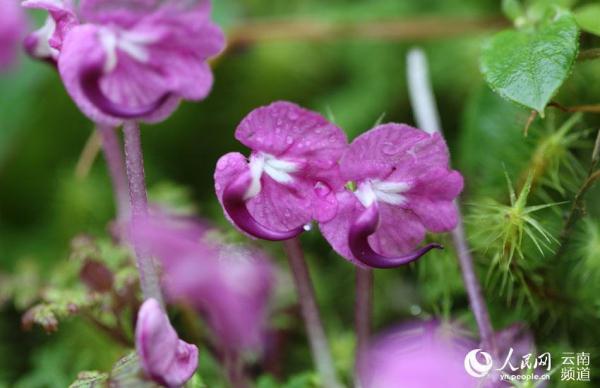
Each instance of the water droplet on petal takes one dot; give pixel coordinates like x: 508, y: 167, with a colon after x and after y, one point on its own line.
x: 322, y: 189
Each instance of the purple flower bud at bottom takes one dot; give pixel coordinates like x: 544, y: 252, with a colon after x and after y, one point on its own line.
x: 163, y: 356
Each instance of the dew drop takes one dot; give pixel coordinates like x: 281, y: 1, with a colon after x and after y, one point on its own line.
x: 321, y: 189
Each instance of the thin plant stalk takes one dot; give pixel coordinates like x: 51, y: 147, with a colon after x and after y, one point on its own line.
x: 310, y: 312
x: 134, y: 162
x: 427, y: 118
x: 113, y: 154
x: 363, y: 308
x: 234, y: 366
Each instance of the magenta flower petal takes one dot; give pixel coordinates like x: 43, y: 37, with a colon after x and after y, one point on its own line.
x: 46, y: 42
x: 417, y: 355
x: 401, y: 174
x: 232, y: 194
x: 134, y: 59
x: 362, y: 229
x: 12, y: 29
x: 163, y: 356
x: 291, y: 176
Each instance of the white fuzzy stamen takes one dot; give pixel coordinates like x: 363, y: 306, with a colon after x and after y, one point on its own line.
x: 133, y: 44
x: 383, y: 191
x: 279, y: 170
x: 42, y: 48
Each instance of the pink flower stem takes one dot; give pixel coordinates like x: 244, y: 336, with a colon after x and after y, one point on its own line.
x: 310, y: 312
x: 363, y: 308
x: 134, y: 162
x: 427, y: 118
x: 116, y: 169
x: 234, y: 366
x: 476, y: 300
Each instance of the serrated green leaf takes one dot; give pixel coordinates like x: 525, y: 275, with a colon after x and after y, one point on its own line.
x: 588, y: 18
x: 529, y: 66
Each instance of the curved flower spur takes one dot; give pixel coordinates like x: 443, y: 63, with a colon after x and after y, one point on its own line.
x: 400, y: 186
x: 129, y: 60
x: 290, y: 177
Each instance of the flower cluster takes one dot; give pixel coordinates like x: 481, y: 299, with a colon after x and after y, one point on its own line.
x: 374, y: 199
x: 135, y: 59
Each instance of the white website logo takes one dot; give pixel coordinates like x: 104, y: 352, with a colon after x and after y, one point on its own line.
x: 474, y: 367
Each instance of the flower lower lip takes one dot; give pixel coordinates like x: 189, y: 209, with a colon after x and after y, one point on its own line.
x: 235, y: 206
x: 364, y: 226
x: 90, y: 78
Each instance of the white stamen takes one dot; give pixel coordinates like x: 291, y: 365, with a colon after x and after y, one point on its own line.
x: 384, y: 191
x: 130, y: 43
x: 279, y: 170
x: 257, y: 164
x: 135, y: 50
x: 42, y: 48
x: 108, y: 40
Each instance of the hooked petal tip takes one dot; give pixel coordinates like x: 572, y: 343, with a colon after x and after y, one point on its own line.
x: 90, y: 77
x: 163, y: 356
x: 358, y: 241
x: 234, y: 203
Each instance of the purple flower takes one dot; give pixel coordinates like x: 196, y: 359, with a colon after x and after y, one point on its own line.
x: 46, y: 42
x: 129, y: 59
x: 229, y: 285
x: 12, y: 28
x: 417, y: 355
x: 289, y: 178
x: 402, y: 187
x: 163, y: 356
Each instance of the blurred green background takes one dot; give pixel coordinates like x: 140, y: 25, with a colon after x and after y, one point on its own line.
x: 351, y: 79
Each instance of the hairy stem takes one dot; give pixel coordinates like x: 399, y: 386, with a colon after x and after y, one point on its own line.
x: 116, y: 169
x: 363, y: 309
x: 139, y: 208
x: 310, y: 313
x: 422, y: 93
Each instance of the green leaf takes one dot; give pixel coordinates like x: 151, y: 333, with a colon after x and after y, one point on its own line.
x: 528, y: 66
x: 588, y: 18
